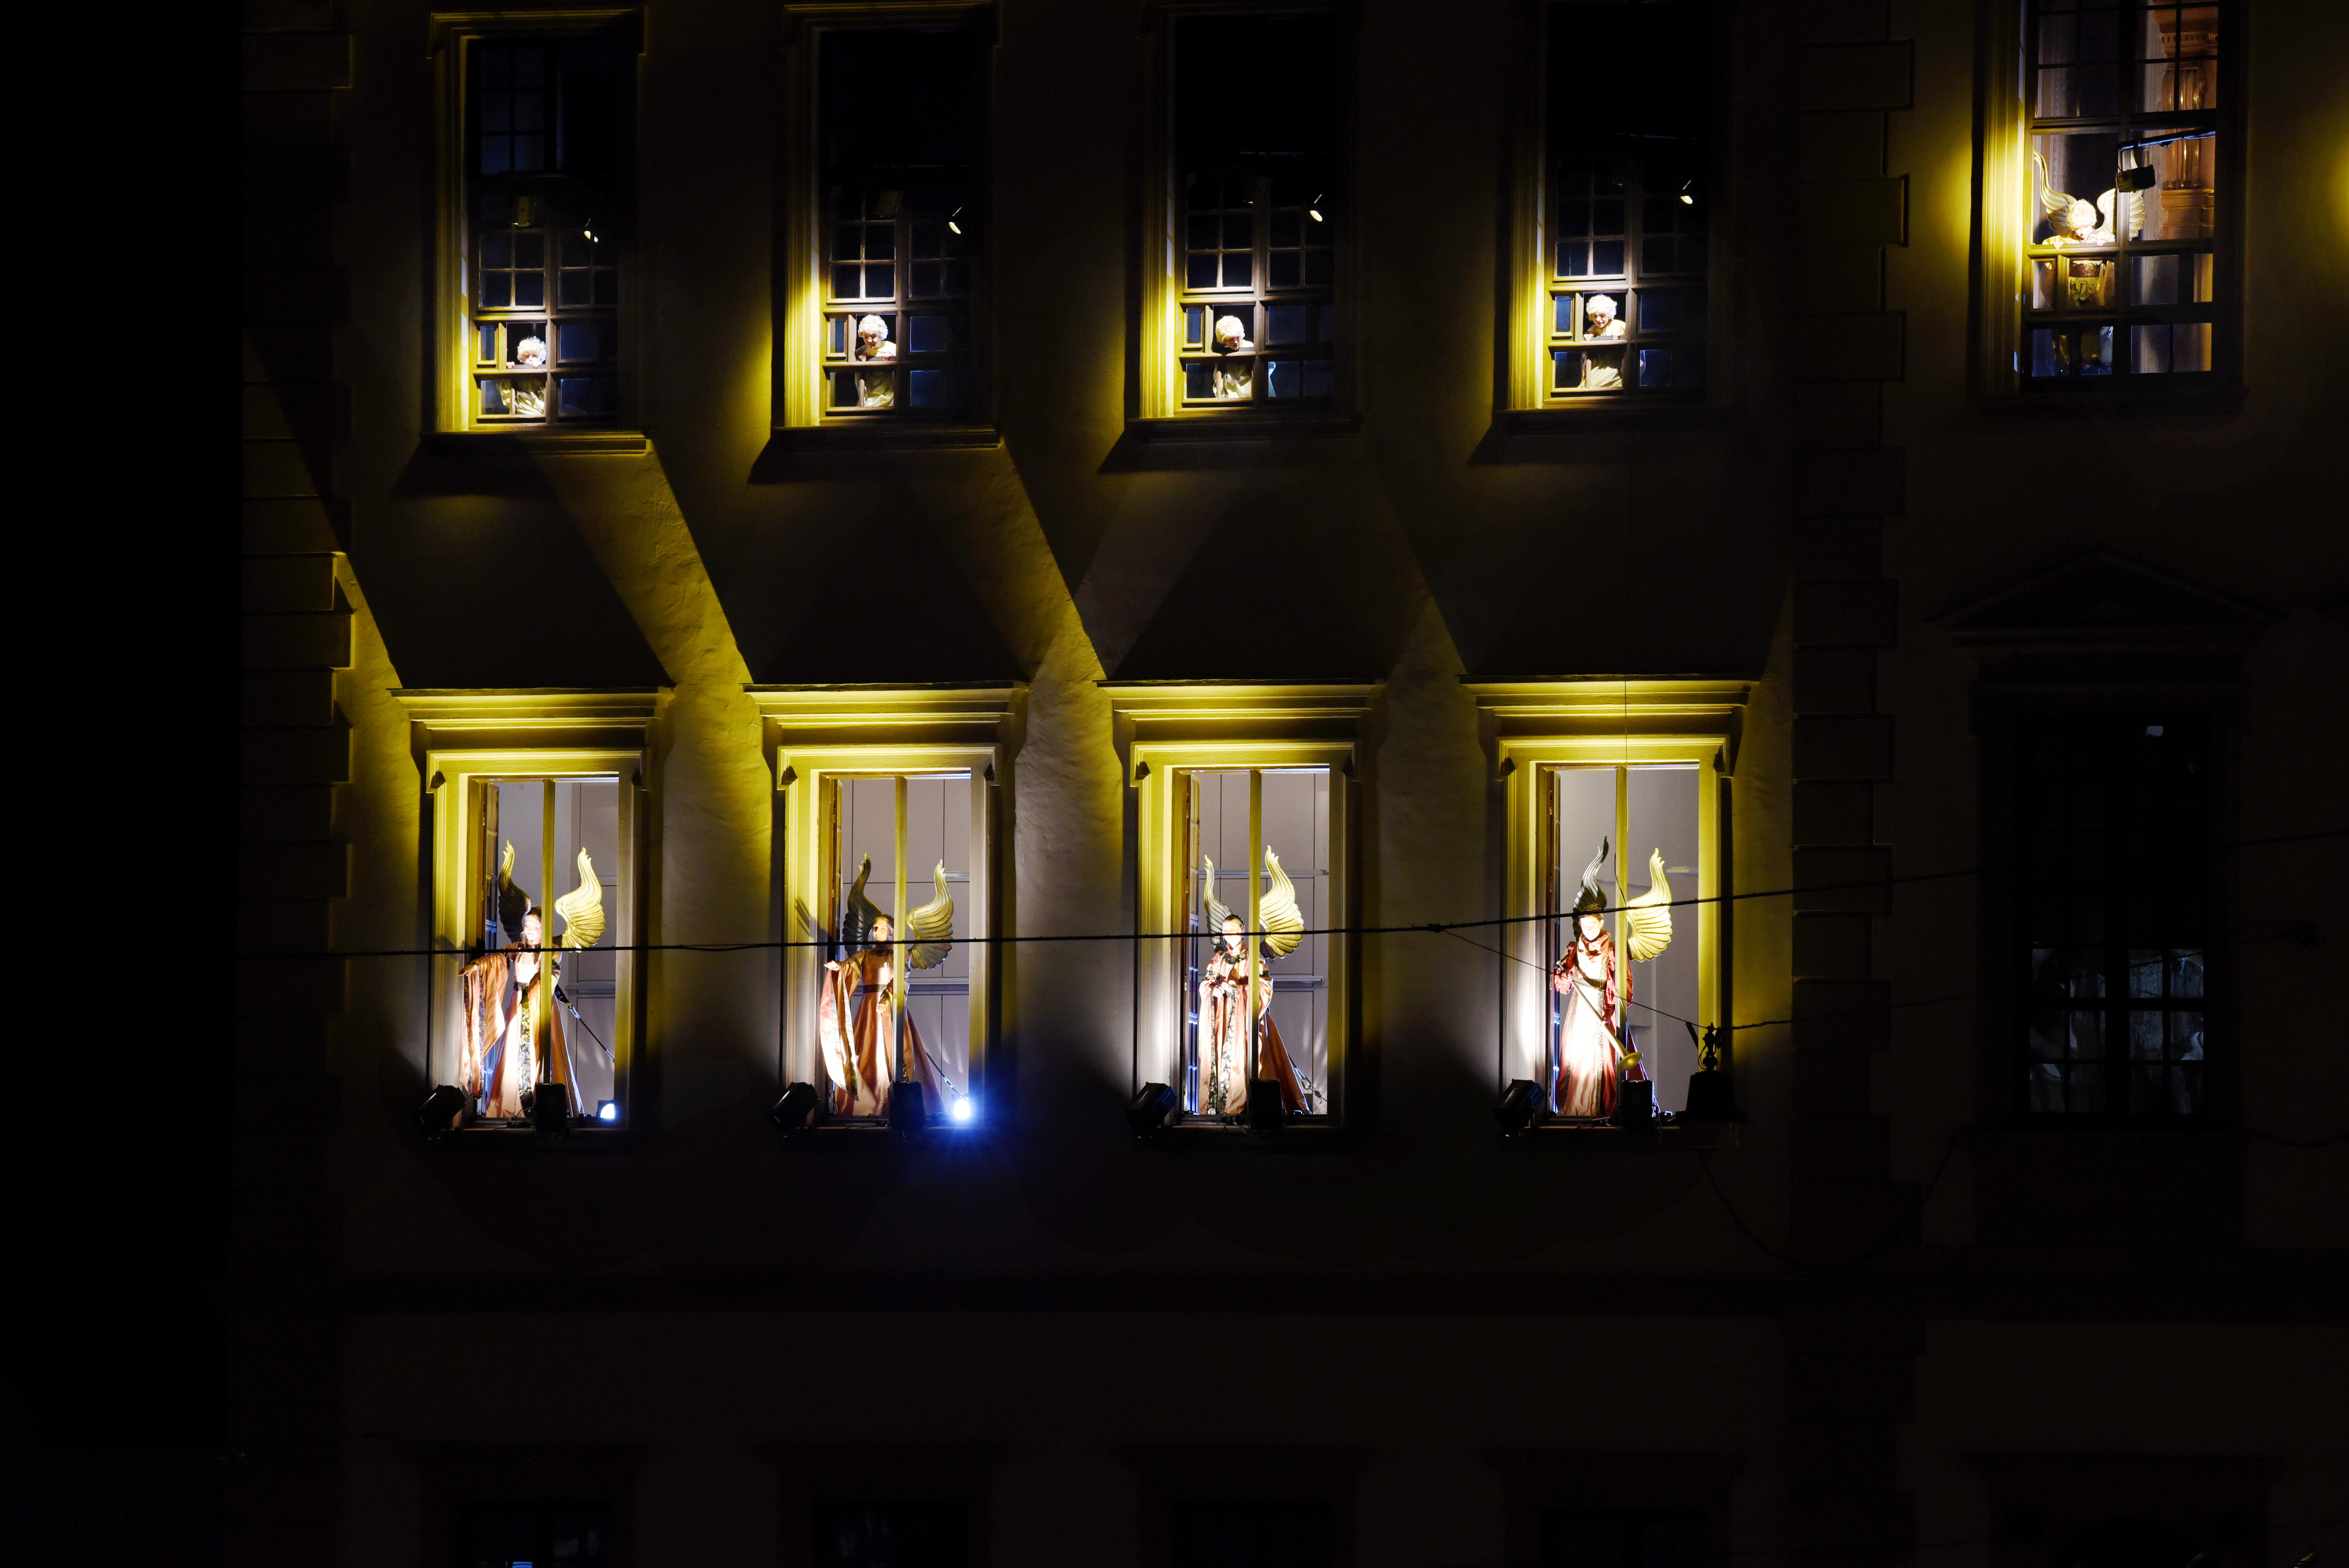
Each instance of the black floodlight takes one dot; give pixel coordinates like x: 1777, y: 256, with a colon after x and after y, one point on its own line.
x: 2141, y: 177
x: 1635, y: 1105
x: 1709, y: 1096
x: 1153, y: 1111
x: 438, y: 1113
x: 909, y: 1110
x: 795, y: 1112
x: 1520, y: 1111
x: 550, y: 1110
x: 1265, y: 1112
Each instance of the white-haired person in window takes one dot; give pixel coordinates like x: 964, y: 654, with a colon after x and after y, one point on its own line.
x: 873, y: 342
x: 1599, y: 318
x: 1602, y: 372
x: 530, y: 354
x: 1233, y: 381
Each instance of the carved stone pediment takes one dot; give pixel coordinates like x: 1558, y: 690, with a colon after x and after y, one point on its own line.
x: 2101, y: 603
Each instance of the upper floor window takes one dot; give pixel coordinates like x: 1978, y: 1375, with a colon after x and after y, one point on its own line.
x: 1258, y: 208
x: 1622, y: 1538
x: 544, y: 199
x: 900, y: 134
x: 520, y: 1534
x: 2120, y: 193
x: 892, y: 1533
x: 1254, y: 1534
x: 2112, y: 822
x: 1627, y: 245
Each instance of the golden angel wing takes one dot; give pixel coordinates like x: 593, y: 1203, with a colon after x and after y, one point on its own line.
x: 929, y: 930
x: 513, y: 904
x: 1284, y: 925
x: 858, y: 912
x: 2050, y: 201
x: 1647, y: 919
x: 582, y: 908
x: 1217, y: 910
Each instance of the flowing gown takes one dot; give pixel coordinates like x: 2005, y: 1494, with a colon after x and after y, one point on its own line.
x: 1223, y: 1042
x: 498, y: 1061
x: 1588, y: 1051
x: 856, y: 1020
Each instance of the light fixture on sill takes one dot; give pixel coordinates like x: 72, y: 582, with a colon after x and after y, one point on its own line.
x: 1521, y: 1109
x: 1709, y: 1096
x: 1154, y: 1111
x: 608, y: 1111
x: 440, y: 1112
x: 909, y: 1110
x: 1265, y: 1112
x: 550, y: 1110
x: 963, y: 1111
x: 795, y: 1112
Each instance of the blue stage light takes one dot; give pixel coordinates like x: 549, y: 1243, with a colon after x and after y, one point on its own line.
x: 964, y: 1110
x: 608, y: 1110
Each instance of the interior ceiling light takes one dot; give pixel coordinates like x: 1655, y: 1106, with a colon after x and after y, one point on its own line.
x: 951, y: 224
x: 1314, y: 209
x: 1687, y: 200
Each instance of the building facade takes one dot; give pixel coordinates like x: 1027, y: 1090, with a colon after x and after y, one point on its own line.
x: 963, y: 724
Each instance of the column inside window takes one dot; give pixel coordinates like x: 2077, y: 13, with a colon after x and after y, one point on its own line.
x: 1627, y: 245
x: 548, y: 875
x: 1257, y: 855
x: 1624, y: 961
x: 901, y: 129
x: 2119, y: 206
x: 1255, y: 170
x: 547, y: 148
x: 892, y: 1009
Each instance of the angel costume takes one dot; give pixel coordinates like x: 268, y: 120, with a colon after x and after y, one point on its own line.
x: 2071, y: 220
x: 1224, y: 1071
x: 1597, y: 990
x: 858, y: 1012
x: 499, y: 1061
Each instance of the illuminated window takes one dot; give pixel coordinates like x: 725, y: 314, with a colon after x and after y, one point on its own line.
x: 528, y: 1533
x: 894, y: 1005
x: 2119, y: 194
x: 2114, y: 821
x: 1257, y: 210
x: 545, y: 203
x: 1626, y: 248
x: 1261, y: 833
x: 901, y: 118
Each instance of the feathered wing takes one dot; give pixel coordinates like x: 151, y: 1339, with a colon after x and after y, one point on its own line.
x: 1284, y: 924
x: 512, y: 902
x: 582, y: 908
x: 1647, y: 919
x: 1590, y: 871
x: 2050, y: 201
x: 929, y: 930
x: 1217, y: 912
x: 858, y: 912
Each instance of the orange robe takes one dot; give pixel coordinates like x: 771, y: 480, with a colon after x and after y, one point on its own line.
x: 856, y: 1022
x: 1223, y: 1043
x: 497, y: 1061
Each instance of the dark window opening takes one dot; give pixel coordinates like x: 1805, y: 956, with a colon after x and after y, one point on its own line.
x: 1253, y: 1536
x: 893, y: 1533
x: 900, y: 128
x: 1620, y: 1538
x: 534, y: 1535
x: 1256, y: 127
x: 2113, y: 837
x: 547, y: 134
x: 1628, y: 226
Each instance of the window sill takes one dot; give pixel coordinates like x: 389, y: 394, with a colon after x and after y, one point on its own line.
x: 1669, y: 1133
x: 505, y: 443
x: 882, y: 436
x: 581, y: 1140
x: 1251, y: 425
x: 2200, y: 401
x: 1596, y: 414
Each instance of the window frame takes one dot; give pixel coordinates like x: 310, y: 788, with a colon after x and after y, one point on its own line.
x: 2006, y: 182
x: 1158, y: 405
x: 1168, y: 730
x: 1541, y: 727
x: 816, y: 736
x: 463, y: 740
x: 802, y: 366
x: 449, y: 358
x: 1524, y: 396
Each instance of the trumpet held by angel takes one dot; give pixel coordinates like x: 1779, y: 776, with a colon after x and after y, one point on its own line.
x: 870, y: 1042
x: 1234, y: 968
x: 514, y: 1043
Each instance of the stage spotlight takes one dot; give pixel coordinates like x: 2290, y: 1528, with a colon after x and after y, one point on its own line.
x: 962, y: 1110
x: 795, y: 1112
x: 550, y: 1110
x: 909, y: 1110
x: 1264, y: 1108
x: 438, y: 1113
x: 1520, y: 1111
x: 1153, y: 1111
x: 607, y: 1111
